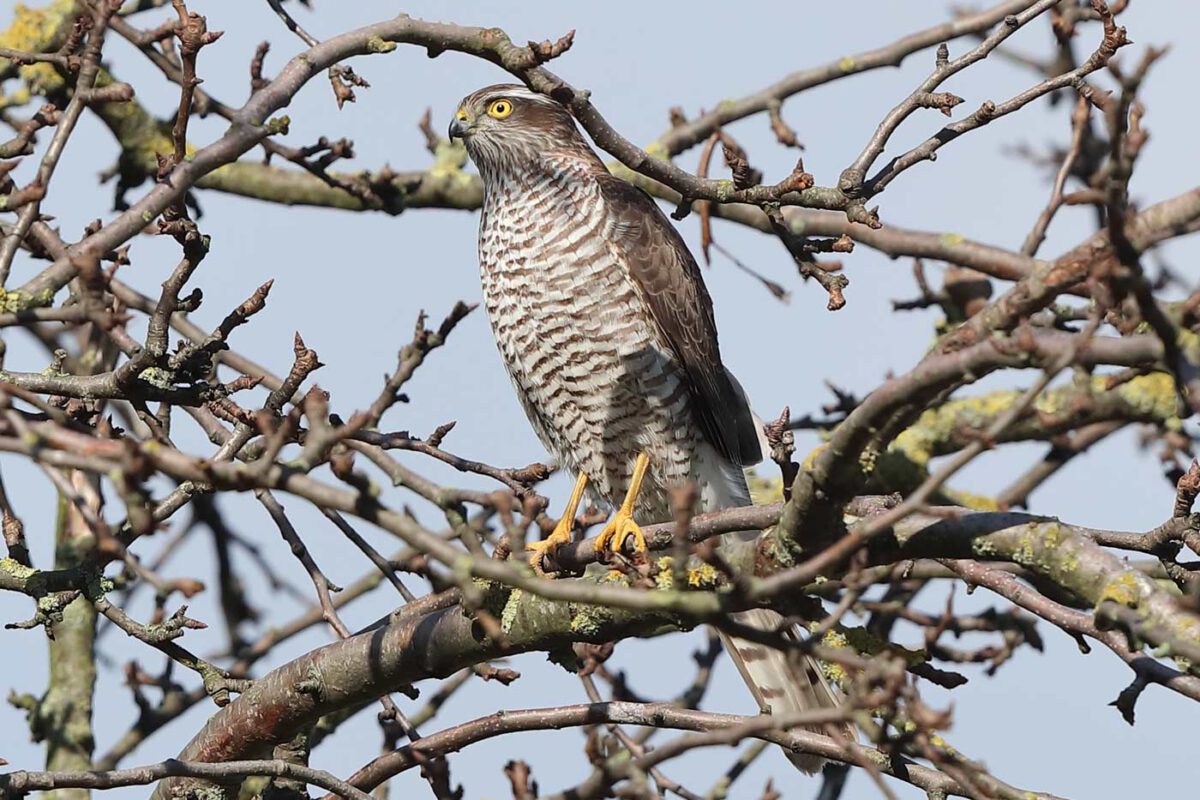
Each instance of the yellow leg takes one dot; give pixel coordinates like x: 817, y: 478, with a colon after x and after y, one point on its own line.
x: 622, y: 525
x: 562, y: 531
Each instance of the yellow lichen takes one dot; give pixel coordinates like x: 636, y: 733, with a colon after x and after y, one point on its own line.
x: 938, y: 741
x: 811, y: 458
x: 658, y: 150
x: 764, y: 491
x: 868, y: 460
x: 1189, y: 343
x: 36, y: 30
x: 975, y: 502
x: 940, y: 430
x: 1151, y: 395
x: 1124, y: 589
x: 703, y: 577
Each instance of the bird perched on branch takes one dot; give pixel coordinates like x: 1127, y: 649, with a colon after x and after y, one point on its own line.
x: 607, y: 331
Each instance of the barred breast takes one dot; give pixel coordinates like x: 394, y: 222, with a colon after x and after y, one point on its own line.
x: 591, y: 370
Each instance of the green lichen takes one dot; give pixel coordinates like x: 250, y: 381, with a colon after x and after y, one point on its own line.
x: 781, y: 551
x: 863, y: 642
x: 835, y: 673
x: 848, y: 64
x: 158, y: 377
x: 1045, y: 547
x: 448, y: 160
x: 492, y: 595
x: 378, y: 45
x: 510, y: 611
x: 33, y: 581
x: 589, y: 619
x: 1038, y: 547
x: 658, y: 150
x: 17, y: 300
x: 950, y: 239
x: 16, y: 569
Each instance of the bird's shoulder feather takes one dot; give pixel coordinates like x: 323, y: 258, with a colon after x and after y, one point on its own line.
x: 670, y: 283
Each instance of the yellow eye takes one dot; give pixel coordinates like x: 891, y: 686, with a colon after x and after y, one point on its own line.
x: 500, y: 108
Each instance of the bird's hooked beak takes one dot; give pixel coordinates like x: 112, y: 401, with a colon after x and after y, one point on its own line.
x: 461, y: 125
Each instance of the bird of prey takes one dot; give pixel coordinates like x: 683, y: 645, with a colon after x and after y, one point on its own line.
x: 607, y: 331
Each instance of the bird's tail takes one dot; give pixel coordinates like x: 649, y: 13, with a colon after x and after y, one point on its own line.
x: 780, y: 682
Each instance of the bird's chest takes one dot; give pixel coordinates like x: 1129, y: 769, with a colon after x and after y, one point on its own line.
x: 544, y: 259
x: 592, y: 371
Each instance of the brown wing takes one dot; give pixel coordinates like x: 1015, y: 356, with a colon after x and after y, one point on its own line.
x: 674, y: 290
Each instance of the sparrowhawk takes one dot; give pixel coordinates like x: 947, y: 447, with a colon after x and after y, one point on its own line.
x: 607, y: 331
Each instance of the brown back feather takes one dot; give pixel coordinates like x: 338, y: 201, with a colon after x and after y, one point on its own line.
x: 674, y: 291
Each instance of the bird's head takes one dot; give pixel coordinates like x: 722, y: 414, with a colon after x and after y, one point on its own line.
x: 509, y: 125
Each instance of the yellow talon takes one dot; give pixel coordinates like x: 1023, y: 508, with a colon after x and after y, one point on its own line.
x: 562, y: 530
x: 618, y: 529
x: 622, y: 526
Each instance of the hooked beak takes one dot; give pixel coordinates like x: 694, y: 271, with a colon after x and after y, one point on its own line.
x: 460, y: 126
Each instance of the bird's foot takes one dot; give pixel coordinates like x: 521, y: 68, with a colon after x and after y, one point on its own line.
x: 558, y: 537
x: 562, y: 531
x: 622, y: 526
x: 618, y: 529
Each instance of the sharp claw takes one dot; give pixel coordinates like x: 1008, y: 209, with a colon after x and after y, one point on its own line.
x: 539, y: 554
x: 620, y: 528
x: 540, y: 550
x: 561, y: 535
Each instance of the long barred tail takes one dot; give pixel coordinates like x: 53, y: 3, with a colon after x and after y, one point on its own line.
x: 779, y: 683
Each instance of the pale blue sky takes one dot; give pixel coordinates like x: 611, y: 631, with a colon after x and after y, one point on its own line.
x: 353, y: 284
